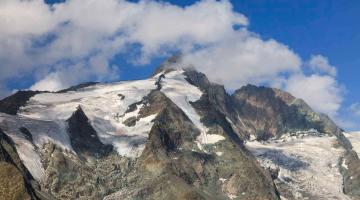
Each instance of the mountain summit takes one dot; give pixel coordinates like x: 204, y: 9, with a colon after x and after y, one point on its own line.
x: 175, y: 135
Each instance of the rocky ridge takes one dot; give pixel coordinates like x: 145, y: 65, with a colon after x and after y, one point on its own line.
x: 175, y: 135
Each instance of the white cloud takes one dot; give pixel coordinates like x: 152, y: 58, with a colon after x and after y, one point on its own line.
x: 320, y: 64
x: 36, y: 37
x: 24, y: 18
x: 355, y: 109
x: 51, y: 82
x: 244, y: 58
x: 171, y: 26
x: 321, y: 92
x: 74, y: 41
x: 66, y: 76
x: 320, y: 89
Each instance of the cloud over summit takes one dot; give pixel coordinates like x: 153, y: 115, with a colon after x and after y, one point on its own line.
x: 66, y: 43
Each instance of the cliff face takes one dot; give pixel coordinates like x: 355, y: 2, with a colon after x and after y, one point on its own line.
x: 267, y: 112
x: 16, y: 182
x: 10, y: 105
x: 175, y: 135
x: 261, y: 111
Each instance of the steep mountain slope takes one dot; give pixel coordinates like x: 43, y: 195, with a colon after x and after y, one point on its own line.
x: 16, y: 182
x: 269, y: 114
x: 11, y: 104
x: 132, y: 140
x: 174, y: 135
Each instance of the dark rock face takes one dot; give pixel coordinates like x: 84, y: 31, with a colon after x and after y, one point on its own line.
x: 83, y: 137
x: 263, y: 112
x: 198, y: 79
x: 15, y: 182
x: 27, y: 134
x: 158, y: 82
x: 266, y: 112
x: 217, y: 98
x: 131, y: 121
x: 351, y: 174
x: 10, y: 105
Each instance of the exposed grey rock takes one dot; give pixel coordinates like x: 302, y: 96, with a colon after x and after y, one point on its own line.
x: 84, y: 138
x: 10, y: 105
x: 16, y: 182
x: 131, y: 121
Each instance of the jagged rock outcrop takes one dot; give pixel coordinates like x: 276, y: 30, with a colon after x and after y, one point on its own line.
x: 266, y: 112
x: 10, y: 105
x: 83, y: 137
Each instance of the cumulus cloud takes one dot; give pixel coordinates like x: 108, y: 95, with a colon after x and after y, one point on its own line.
x: 66, y: 76
x: 36, y: 36
x: 320, y: 89
x: 320, y: 64
x: 244, y: 58
x: 321, y: 92
x: 74, y: 41
x: 24, y: 18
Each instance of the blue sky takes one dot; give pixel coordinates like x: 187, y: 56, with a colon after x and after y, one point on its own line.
x: 331, y: 28
x: 293, y: 34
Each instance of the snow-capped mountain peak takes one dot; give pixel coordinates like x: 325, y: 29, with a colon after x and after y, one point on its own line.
x: 130, y: 139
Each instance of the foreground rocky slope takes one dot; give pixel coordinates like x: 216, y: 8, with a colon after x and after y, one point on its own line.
x: 175, y: 135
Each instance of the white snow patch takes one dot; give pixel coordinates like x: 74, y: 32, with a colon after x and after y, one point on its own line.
x: 232, y: 196
x: 222, y: 180
x: 105, y: 109
x: 252, y: 138
x: 213, y: 138
x: 42, y: 132
x: 282, y: 198
x: 343, y: 164
x: 308, y: 161
x: 29, y: 157
x: 219, y: 153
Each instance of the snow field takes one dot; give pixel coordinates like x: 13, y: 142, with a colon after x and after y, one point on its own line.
x: 307, y: 165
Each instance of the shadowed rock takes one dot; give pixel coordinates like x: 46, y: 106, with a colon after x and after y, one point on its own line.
x: 16, y: 182
x: 10, y: 105
x: 83, y: 136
